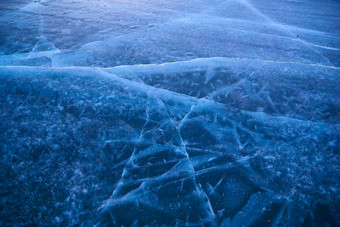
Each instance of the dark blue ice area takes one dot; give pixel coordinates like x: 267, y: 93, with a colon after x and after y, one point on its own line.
x: 169, y: 113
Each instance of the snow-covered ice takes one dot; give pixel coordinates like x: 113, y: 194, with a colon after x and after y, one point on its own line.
x: 175, y: 113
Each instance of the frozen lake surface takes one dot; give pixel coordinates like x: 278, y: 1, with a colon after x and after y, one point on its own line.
x: 173, y: 113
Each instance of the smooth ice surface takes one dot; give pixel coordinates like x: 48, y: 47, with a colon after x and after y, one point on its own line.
x: 175, y: 113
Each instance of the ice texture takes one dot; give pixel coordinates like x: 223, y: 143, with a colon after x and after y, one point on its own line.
x: 169, y: 113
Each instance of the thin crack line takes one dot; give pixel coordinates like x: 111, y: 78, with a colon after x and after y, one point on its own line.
x: 183, y: 146
x: 170, y: 63
x: 280, y: 27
